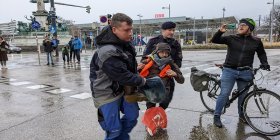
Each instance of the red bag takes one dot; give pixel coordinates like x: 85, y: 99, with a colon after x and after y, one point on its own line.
x: 154, y: 118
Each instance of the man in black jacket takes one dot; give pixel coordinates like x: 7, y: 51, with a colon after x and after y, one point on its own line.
x: 112, y: 67
x: 240, y: 53
x: 167, y: 33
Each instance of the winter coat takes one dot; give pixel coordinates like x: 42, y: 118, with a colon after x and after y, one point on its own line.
x: 241, y: 49
x: 77, y: 43
x: 112, y: 67
x: 4, y: 46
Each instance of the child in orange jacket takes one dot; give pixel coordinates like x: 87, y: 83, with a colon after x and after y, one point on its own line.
x: 160, y: 64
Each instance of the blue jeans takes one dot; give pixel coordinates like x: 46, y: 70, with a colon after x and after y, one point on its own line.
x: 49, y: 57
x: 117, y: 128
x: 228, y: 79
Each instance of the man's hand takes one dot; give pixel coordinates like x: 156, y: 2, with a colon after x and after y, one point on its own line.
x: 171, y: 73
x: 265, y: 67
x: 223, y: 28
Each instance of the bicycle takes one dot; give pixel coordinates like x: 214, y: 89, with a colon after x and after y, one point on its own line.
x: 261, y: 107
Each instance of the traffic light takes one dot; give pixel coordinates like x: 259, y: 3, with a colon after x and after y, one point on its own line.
x: 88, y: 9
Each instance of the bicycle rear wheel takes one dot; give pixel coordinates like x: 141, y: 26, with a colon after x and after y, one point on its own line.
x: 210, y: 96
x: 262, y: 110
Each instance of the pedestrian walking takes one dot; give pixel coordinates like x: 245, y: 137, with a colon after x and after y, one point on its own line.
x: 71, y: 47
x: 77, y: 45
x: 65, y: 53
x: 48, y: 48
x: 55, y: 42
x: 4, y: 47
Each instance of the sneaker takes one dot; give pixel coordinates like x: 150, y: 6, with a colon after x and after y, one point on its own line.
x: 135, y: 97
x: 48, y: 63
x: 217, y: 121
x: 53, y: 64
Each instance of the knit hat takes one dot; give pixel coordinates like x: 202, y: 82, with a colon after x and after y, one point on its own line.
x: 249, y: 22
x: 162, y: 46
x: 168, y: 25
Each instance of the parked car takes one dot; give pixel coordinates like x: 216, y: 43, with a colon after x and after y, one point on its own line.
x: 14, y: 49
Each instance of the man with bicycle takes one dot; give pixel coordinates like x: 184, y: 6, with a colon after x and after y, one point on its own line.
x: 240, y: 53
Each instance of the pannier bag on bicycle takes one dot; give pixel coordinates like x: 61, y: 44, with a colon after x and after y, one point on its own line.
x: 199, y: 79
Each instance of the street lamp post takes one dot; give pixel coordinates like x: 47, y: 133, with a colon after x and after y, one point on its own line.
x: 270, y: 22
x: 224, y: 9
x: 140, y: 16
x: 53, y: 17
x: 168, y: 9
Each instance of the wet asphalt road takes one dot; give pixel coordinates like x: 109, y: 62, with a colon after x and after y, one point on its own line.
x: 53, y: 102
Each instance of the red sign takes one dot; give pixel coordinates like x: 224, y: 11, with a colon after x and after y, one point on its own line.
x: 159, y: 15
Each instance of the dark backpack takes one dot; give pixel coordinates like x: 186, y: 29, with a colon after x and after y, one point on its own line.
x: 199, y: 79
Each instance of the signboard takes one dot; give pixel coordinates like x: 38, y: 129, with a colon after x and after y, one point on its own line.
x: 159, y: 15
x: 103, y: 20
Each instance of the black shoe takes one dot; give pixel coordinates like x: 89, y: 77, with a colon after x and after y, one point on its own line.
x: 217, y: 121
x: 48, y: 63
x: 53, y: 64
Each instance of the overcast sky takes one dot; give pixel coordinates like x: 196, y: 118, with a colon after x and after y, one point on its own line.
x: 17, y: 9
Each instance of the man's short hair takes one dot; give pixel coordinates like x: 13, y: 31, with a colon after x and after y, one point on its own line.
x: 119, y: 18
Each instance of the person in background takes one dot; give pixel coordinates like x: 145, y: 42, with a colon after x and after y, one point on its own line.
x: 55, y: 42
x: 48, y: 48
x: 77, y: 45
x: 65, y: 53
x: 4, y: 46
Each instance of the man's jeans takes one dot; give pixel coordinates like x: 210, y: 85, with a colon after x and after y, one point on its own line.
x: 117, y: 128
x: 49, y: 57
x: 229, y: 77
x: 77, y: 54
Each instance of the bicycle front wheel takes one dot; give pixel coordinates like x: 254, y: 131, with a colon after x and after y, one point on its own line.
x: 210, y: 96
x: 262, y: 112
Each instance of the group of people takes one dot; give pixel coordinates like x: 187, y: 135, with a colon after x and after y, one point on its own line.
x: 114, y: 68
x: 69, y: 51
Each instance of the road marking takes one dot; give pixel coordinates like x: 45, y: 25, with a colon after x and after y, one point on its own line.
x: 20, y: 83
x: 82, y: 96
x: 58, y: 91
x: 37, y: 86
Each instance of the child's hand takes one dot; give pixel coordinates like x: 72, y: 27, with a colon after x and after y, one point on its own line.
x: 171, y: 73
x: 140, y: 66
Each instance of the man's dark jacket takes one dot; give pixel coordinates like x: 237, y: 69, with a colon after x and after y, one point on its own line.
x: 241, y: 49
x: 113, y: 65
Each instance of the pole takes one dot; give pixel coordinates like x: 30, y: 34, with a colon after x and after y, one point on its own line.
x: 193, y: 31
x: 271, y: 24
x: 53, y: 17
x: 38, y: 47
x: 260, y: 20
x: 140, y: 31
x: 169, y: 10
x: 206, y: 39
